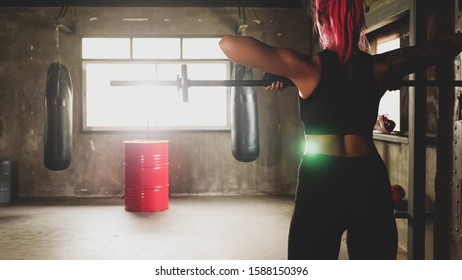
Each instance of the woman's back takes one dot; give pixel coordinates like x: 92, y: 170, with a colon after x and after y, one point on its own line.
x: 340, y: 113
x: 346, y: 98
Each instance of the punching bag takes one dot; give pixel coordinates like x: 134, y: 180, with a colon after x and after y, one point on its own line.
x: 244, y: 118
x: 58, y: 117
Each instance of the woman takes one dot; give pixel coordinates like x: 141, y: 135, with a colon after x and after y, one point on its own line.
x: 343, y: 183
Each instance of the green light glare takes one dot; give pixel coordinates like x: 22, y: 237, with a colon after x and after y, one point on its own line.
x: 312, y: 147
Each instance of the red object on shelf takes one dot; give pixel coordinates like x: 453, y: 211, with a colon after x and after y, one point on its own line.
x: 388, y: 123
x: 146, y: 175
x: 397, y: 193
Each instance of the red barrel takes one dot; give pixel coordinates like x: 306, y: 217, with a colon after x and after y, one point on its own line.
x: 146, y: 175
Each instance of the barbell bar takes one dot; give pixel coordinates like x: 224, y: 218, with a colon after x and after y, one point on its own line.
x: 430, y: 83
x: 183, y: 83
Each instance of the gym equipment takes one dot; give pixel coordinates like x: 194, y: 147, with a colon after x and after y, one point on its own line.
x: 62, y: 23
x: 58, y: 118
x: 58, y: 115
x: 384, y: 124
x: 5, y: 181
x: 389, y: 125
x: 184, y: 83
x: 245, y: 140
x: 397, y: 193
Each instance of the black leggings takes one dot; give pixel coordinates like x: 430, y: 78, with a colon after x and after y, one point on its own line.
x: 335, y: 194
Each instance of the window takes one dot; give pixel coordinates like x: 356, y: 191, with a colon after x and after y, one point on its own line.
x: 390, y: 102
x: 118, y: 108
x: 386, y: 38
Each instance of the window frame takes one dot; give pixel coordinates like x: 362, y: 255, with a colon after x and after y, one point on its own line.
x: 384, y: 29
x: 397, y: 118
x: 180, y: 128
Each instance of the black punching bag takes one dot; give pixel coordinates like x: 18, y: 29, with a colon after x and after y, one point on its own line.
x: 244, y: 118
x: 58, y: 117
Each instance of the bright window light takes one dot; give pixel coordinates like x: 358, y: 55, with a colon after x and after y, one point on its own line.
x: 109, y: 107
x: 105, y: 48
x: 390, y: 102
x: 156, y: 48
x: 206, y: 105
x: 117, y: 106
x: 197, y: 48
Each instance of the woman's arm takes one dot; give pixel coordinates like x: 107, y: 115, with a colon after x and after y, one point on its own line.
x: 256, y: 54
x: 394, y: 65
x: 280, y: 61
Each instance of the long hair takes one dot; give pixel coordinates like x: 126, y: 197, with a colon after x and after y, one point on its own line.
x: 347, y: 24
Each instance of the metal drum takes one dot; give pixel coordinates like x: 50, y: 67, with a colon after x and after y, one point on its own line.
x: 146, y: 175
x: 5, y: 181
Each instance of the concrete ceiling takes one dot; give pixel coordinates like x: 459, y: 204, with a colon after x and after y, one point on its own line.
x: 154, y: 3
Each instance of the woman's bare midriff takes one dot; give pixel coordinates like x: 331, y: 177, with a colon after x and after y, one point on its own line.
x: 340, y: 145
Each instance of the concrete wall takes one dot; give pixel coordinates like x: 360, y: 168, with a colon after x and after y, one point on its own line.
x: 200, y: 162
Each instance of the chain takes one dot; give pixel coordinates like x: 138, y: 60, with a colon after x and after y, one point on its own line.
x: 58, y: 56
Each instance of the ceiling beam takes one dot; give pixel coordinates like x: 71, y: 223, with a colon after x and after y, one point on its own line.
x: 153, y: 3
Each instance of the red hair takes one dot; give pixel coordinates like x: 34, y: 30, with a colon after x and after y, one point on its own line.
x: 347, y: 24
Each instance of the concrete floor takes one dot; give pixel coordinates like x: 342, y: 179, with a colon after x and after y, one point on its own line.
x: 194, y: 228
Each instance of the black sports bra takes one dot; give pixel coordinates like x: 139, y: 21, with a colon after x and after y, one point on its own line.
x: 346, y: 99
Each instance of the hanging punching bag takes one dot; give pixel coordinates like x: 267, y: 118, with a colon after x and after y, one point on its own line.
x: 58, y: 117
x: 244, y: 118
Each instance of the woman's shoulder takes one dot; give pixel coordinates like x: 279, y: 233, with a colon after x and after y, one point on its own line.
x: 361, y: 57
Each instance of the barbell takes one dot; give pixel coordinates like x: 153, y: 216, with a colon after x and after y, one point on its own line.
x: 183, y: 83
